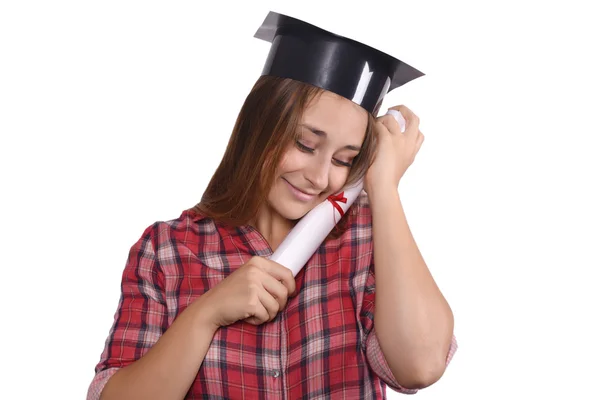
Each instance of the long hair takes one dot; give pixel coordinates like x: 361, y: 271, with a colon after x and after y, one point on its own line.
x: 266, y: 125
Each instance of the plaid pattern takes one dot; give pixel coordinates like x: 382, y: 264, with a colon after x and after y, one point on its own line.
x: 322, y: 345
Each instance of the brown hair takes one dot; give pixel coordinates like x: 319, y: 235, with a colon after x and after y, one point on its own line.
x: 266, y: 125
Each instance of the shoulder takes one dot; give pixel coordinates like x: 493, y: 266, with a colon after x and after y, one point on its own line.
x: 189, y: 226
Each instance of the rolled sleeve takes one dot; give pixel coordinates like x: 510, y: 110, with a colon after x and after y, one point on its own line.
x: 380, y: 366
x: 375, y: 357
x: 98, y: 383
x: 141, y: 316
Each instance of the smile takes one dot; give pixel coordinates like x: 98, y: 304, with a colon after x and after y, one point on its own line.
x: 299, y: 194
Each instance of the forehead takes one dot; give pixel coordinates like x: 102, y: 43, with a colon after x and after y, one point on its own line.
x: 337, y: 116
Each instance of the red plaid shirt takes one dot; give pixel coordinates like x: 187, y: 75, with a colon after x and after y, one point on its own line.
x: 322, y: 345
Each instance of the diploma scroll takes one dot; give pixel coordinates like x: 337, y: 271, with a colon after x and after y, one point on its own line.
x: 312, y: 229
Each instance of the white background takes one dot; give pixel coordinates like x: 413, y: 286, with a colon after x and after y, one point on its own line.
x: 114, y: 115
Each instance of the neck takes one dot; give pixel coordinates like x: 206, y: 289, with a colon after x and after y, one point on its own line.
x: 272, y: 226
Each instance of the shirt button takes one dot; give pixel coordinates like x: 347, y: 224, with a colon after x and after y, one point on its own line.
x: 276, y: 373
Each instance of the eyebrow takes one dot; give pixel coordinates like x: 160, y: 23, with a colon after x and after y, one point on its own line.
x: 321, y: 133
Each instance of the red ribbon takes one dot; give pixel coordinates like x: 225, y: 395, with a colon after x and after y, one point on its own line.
x: 333, y: 199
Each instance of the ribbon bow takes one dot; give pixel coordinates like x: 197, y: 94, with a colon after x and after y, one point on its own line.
x: 333, y: 199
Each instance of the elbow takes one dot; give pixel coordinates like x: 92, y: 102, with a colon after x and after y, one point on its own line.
x: 420, y: 375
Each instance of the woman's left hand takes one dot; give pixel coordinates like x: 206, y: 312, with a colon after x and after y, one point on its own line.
x: 395, y: 150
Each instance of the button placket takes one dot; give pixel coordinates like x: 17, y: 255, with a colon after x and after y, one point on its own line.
x: 272, y: 364
x: 283, y: 354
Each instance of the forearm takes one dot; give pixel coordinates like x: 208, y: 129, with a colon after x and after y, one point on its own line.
x: 168, y: 369
x: 413, y: 321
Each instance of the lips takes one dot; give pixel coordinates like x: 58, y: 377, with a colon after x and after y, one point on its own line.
x: 298, y: 193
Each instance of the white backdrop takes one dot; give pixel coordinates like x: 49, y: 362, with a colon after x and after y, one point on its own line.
x: 114, y: 115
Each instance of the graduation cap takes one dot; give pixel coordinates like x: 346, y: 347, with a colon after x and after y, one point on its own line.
x: 312, y: 55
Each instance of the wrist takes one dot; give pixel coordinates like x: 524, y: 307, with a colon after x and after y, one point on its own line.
x: 382, y: 193
x: 204, y: 313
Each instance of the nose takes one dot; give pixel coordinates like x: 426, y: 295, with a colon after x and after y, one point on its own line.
x: 318, y: 174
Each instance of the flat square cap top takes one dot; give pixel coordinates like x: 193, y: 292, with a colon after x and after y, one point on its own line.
x: 310, y: 54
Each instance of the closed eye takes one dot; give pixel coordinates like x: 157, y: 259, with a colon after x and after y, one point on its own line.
x: 304, y: 148
x: 343, y: 164
x: 310, y: 150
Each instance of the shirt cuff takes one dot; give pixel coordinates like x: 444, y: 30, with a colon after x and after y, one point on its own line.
x: 98, y: 383
x: 381, y: 368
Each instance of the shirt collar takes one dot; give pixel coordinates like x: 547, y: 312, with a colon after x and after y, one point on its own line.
x: 245, y: 237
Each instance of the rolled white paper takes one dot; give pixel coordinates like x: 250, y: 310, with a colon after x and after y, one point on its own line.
x: 398, y: 116
x: 312, y: 229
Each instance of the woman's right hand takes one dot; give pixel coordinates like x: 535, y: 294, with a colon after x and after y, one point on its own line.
x: 256, y: 292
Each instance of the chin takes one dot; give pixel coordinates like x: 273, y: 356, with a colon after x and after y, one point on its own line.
x: 291, y: 211
x: 289, y: 208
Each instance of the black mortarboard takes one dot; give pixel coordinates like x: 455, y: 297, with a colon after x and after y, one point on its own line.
x: 309, y: 54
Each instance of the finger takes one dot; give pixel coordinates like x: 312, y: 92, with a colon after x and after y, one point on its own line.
x: 398, y: 117
x: 269, y: 303
x: 280, y: 273
x: 276, y: 289
x: 259, y: 314
x: 390, y: 124
x: 253, y: 320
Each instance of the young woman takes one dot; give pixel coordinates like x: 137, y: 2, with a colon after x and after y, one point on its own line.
x: 204, y: 313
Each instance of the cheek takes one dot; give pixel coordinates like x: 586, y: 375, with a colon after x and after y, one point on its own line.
x: 337, y: 178
x: 283, y: 165
x: 292, y: 161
